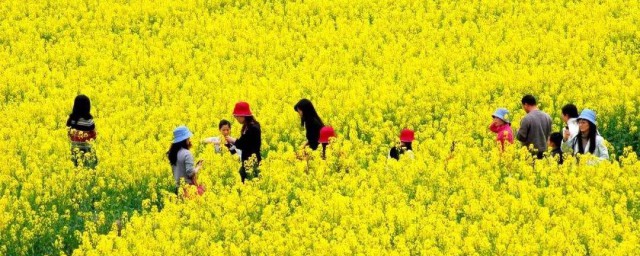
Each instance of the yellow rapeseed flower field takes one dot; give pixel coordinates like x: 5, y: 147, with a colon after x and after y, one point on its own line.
x: 371, y: 68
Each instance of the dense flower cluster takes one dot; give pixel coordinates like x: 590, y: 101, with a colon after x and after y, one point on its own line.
x: 371, y: 68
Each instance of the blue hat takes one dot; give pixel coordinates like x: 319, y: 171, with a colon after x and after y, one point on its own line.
x: 589, y: 115
x: 181, y: 133
x: 503, y: 114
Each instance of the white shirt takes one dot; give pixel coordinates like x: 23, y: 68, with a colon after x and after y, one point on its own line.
x: 572, y: 123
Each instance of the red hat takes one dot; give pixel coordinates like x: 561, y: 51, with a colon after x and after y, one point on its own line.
x: 242, y: 109
x: 407, y: 135
x: 326, y: 133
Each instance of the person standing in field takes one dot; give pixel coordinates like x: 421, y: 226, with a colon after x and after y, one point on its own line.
x: 249, y: 142
x: 502, y: 127
x: 535, y: 128
x: 181, y: 159
x: 570, y: 118
x: 406, y: 139
x: 326, y: 133
x: 82, y: 132
x: 588, y: 140
x: 225, y: 129
x: 310, y: 121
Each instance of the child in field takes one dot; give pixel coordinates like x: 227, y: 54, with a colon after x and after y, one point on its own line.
x: 555, y: 143
x: 326, y: 133
x: 406, y: 138
x: 502, y: 127
x: 82, y: 131
x: 225, y: 129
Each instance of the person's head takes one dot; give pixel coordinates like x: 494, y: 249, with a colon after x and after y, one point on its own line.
x: 181, y: 140
x: 587, y: 121
x: 307, y: 113
x: 406, y: 138
x: 569, y: 111
x: 81, y: 107
x: 241, y: 112
x: 555, y: 140
x: 588, y: 128
x: 501, y: 116
x: 529, y: 103
x: 225, y: 127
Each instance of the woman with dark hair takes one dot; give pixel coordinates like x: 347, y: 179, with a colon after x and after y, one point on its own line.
x: 181, y: 159
x: 82, y: 131
x: 249, y: 142
x: 588, y: 140
x: 310, y: 120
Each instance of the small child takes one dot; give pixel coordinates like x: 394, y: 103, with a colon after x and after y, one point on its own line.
x: 82, y: 132
x: 406, y: 138
x: 225, y: 129
x: 326, y: 133
x: 502, y: 126
x: 555, y: 141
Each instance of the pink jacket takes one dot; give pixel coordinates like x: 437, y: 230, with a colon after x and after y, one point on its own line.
x: 504, y: 133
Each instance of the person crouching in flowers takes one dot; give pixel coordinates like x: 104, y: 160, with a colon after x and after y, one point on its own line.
x: 249, y: 142
x: 82, y: 131
x: 406, y: 138
x: 502, y: 127
x: 310, y: 121
x: 225, y: 130
x: 326, y: 133
x: 588, y: 140
x: 181, y: 159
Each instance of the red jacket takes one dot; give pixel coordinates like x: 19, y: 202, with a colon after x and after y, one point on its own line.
x: 504, y: 132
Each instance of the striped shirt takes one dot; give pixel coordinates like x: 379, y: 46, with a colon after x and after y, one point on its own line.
x: 81, y: 130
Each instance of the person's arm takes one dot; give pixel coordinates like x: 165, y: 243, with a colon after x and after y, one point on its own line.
x: 573, y: 130
x: 523, y: 132
x: 247, y: 138
x: 211, y: 140
x: 189, y: 165
x: 602, y: 148
x: 567, y: 146
x: 494, y: 127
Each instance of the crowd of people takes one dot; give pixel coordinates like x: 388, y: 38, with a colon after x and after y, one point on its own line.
x: 579, y: 136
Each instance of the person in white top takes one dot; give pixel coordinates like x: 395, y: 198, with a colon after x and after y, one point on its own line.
x: 570, y: 118
x: 588, y: 140
x: 225, y: 129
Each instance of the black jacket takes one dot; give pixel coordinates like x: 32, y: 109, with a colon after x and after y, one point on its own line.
x: 250, y: 142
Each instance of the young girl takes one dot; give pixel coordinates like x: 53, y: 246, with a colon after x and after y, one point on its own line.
x: 310, y: 120
x: 82, y: 131
x: 555, y: 141
x: 406, y: 138
x: 181, y: 159
x: 588, y: 140
x: 225, y: 129
x: 502, y: 127
x: 326, y: 133
x: 249, y: 142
